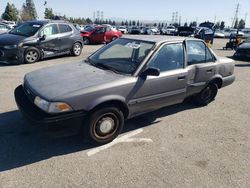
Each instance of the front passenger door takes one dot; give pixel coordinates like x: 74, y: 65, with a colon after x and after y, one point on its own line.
x: 169, y: 87
x: 49, y: 40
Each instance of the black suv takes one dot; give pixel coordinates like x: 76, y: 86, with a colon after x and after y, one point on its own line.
x: 35, y: 40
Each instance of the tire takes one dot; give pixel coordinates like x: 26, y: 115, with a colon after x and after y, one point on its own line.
x: 207, y: 95
x: 77, y: 49
x: 86, y: 40
x: 104, y: 125
x: 31, y: 55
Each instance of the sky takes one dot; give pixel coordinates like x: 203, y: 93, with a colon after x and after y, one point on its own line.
x: 146, y: 10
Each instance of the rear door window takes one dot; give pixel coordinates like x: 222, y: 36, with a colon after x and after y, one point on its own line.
x: 64, y: 28
x: 198, y: 52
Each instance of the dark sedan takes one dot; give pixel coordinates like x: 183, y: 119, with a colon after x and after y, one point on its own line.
x: 243, y: 51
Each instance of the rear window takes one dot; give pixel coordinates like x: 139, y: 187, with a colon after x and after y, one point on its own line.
x: 64, y: 28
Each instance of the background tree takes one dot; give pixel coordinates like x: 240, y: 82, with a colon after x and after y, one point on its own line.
x: 222, y: 25
x: 217, y: 25
x: 48, y: 14
x: 185, y: 24
x: 130, y: 23
x: 28, y: 11
x: 193, y: 24
x: 133, y: 22
x: 10, y: 13
x: 242, y: 24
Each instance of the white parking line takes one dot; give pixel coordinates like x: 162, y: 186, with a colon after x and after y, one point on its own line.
x: 125, y: 138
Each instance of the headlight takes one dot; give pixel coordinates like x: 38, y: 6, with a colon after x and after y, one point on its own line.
x: 9, y: 47
x: 52, y: 107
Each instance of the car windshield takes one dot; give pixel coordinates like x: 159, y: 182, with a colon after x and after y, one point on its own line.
x: 26, y: 29
x: 122, y: 55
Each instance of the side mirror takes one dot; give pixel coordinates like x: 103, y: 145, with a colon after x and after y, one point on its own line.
x: 43, y: 37
x: 151, y: 72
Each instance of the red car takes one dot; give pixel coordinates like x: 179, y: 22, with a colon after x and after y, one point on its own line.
x: 99, y: 34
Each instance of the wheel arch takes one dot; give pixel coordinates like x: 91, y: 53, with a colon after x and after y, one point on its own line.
x: 116, y: 101
x: 217, y: 80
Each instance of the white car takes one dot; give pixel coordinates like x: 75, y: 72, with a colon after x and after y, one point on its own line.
x: 123, y: 29
x: 169, y: 30
x: 4, y: 28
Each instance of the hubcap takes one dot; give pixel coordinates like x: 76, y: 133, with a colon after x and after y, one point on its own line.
x: 31, y: 56
x: 106, y: 125
x: 77, y: 49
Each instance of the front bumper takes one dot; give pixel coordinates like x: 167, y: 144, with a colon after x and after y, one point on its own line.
x: 13, y: 56
x: 38, y: 117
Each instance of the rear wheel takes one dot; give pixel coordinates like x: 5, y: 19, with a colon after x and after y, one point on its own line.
x: 77, y: 49
x: 31, y: 55
x: 86, y: 40
x: 104, y: 125
x: 207, y: 95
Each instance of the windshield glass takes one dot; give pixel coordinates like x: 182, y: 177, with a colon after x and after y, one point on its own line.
x: 26, y: 29
x: 122, y: 55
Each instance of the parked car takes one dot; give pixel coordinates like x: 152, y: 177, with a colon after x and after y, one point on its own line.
x: 123, y: 29
x: 99, y: 34
x: 169, y: 30
x: 243, y: 50
x: 134, y: 30
x: 230, y: 32
x: 219, y: 34
x: 4, y: 28
x: 11, y: 24
x: 126, y: 78
x: 185, y: 31
x: 35, y: 40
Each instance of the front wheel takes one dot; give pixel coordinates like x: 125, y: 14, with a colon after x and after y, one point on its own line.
x: 77, y: 49
x: 104, y: 125
x: 31, y: 55
x: 207, y: 95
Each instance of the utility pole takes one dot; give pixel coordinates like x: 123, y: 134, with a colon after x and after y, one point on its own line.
x: 245, y: 18
x: 236, y: 14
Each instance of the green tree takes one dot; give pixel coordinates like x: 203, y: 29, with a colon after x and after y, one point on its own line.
x: 48, y: 14
x: 28, y: 11
x: 88, y: 21
x: 138, y: 23
x: 242, y: 24
x: 222, y: 25
x: 185, y: 24
x: 10, y: 13
x: 217, y: 25
x: 133, y: 22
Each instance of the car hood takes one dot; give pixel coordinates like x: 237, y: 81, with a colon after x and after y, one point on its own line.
x: 53, y: 82
x: 10, y: 39
x: 244, y: 46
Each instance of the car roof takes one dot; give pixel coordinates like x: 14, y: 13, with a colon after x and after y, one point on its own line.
x: 156, y: 38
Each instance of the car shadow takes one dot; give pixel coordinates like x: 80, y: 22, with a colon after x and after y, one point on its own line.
x: 21, y: 144
x: 242, y: 65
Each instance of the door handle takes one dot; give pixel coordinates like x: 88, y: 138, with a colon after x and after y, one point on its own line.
x: 209, y: 70
x: 181, y: 77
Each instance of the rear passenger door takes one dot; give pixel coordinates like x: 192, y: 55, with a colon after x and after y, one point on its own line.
x: 65, y: 38
x: 200, y: 65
